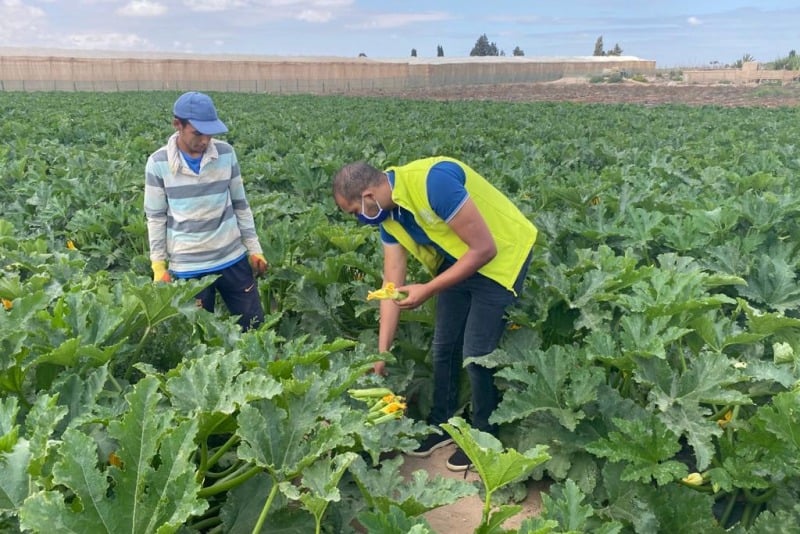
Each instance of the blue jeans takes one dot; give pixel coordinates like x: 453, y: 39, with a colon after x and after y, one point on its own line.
x: 470, y: 320
x: 239, y: 291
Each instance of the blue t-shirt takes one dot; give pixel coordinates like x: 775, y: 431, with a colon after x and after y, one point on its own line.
x: 446, y: 194
x: 193, y: 163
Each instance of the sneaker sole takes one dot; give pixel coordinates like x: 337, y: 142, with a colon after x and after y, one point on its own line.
x: 458, y: 468
x: 425, y: 454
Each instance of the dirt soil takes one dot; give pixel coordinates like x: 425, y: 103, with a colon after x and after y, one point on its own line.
x: 464, y: 516
x: 654, y: 91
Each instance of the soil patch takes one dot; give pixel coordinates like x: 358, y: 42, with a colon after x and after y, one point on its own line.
x: 650, y: 92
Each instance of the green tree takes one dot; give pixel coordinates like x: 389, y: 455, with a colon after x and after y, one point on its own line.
x: 598, y: 47
x: 518, y: 52
x: 617, y: 51
x: 439, y: 51
x: 484, y: 48
x: 413, y: 52
x: 744, y: 59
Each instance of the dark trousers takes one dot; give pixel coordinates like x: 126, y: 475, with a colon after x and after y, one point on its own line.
x: 470, y: 320
x: 239, y: 290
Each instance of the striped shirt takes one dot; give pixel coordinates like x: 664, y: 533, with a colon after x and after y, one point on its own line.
x: 200, y: 223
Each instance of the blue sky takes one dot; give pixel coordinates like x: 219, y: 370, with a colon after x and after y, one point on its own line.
x: 674, y: 33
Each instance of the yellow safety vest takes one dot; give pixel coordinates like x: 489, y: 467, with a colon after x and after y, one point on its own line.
x: 514, y: 235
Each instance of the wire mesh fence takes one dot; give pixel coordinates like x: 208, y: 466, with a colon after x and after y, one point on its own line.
x: 307, y: 75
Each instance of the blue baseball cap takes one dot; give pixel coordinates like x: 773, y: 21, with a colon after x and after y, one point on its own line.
x: 199, y: 110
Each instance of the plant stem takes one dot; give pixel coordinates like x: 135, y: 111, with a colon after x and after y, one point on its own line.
x: 223, y: 449
x: 207, y: 523
x: 760, y: 499
x: 487, y: 507
x: 727, y: 513
x: 224, y: 473
x: 229, y: 483
x: 203, y: 457
x: 263, y: 515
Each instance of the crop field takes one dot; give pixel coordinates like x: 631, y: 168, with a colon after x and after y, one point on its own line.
x: 650, y: 373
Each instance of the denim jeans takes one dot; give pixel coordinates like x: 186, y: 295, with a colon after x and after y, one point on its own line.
x: 470, y: 320
x: 239, y: 291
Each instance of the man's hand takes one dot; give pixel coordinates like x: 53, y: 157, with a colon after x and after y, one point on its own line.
x: 379, y: 368
x: 160, y: 272
x: 416, y: 295
x: 258, y: 263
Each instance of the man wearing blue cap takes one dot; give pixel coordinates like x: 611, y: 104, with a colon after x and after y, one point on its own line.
x: 198, y: 218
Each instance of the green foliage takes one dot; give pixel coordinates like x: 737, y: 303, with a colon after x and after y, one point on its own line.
x: 790, y: 62
x: 497, y: 467
x: 600, y: 51
x: 386, y: 491
x: 484, y: 48
x: 658, y: 334
x: 153, y: 489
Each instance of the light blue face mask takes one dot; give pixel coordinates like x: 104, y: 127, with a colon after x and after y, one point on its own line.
x: 377, y: 219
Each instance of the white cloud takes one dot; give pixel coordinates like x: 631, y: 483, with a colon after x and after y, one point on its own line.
x: 213, y: 5
x: 694, y: 21
x: 107, y: 41
x: 142, y: 8
x: 331, y: 3
x: 303, y: 3
x: 314, y: 15
x: 18, y: 20
x: 398, y: 20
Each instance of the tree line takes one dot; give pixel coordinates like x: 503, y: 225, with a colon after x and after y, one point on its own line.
x: 483, y: 47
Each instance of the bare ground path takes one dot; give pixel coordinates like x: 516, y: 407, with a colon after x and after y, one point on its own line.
x: 652, y: 92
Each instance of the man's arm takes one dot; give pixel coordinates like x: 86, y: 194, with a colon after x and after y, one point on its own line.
x: 468, y: 224
x: 394, y: 270
x: 155, y: 209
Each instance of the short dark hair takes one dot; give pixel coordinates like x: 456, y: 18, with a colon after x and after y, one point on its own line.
x: 183, y: 122
x: 353, y: 178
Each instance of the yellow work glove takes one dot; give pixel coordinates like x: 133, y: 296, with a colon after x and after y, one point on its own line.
x: 160, y: 272
x: 258, y: 263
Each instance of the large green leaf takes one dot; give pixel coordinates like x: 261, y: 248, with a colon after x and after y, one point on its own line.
x: 555, y: 380
x: 287, y: 434
x: 319, y: 485
x: 15, y: 482
x: 496, y: 465
x: 385, y: 488
x: 684, y: 399
x: 647, y: 447
x: 214, y: 385
x: 40, y: 425
x: 153, y: 489
x: 773, y: 283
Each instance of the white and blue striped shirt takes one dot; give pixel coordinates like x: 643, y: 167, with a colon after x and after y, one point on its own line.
x: 200, y: 223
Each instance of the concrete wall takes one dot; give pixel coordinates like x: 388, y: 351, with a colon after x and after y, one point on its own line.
x: 751, y: 72
x: 289, y: 75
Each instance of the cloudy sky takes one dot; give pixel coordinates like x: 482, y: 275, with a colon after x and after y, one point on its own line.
x: 674, y: 33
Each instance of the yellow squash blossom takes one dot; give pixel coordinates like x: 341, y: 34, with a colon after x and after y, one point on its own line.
x: 693, y: 479
x: 71, y: 245
x: 393, y: 407
x: 386, y: 292
x: 7, y: 304
x: 725, y: 419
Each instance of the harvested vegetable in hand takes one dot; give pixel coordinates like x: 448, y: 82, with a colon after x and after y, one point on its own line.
x: 386, y: 292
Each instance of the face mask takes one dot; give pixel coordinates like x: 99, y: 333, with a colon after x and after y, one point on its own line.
x: 377, y: 219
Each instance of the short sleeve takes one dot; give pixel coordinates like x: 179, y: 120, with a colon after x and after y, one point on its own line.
x: 446, y: 189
